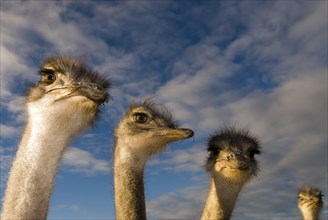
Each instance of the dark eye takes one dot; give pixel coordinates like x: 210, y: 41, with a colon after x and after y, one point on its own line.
x: 213, y: 152
x: 253, y: 152
x: 48, y: 76
x: 141, y: 118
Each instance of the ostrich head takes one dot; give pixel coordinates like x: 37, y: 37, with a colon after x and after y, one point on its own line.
x: 232, y: 154
x: 68, y: 91
x: 310, y: 198
x: 149, y: 127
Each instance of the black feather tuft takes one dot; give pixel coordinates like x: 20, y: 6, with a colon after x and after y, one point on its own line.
x: 232, y: 137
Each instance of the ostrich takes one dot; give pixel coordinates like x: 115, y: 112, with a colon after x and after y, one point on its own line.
x: 63, y: 103
x: 231, y: 163
x: 144, y: 130
x: 310, y: 202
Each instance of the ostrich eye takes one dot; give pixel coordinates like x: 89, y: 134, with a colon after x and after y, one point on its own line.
x: 48, y: 76
x: 214, y: 152
x: 252, y: 153
x: 141, y: 118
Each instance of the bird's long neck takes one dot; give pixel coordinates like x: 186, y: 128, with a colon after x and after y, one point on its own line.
x: 128, y: 183
x: 310, y: 214
x: 32, y: 175
x: 221, y: 198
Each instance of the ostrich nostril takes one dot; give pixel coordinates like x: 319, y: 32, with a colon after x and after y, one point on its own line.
x: 229, y: 157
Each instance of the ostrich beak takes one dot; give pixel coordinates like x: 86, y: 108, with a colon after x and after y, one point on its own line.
x: 94, y: 93
x: 175, y: 134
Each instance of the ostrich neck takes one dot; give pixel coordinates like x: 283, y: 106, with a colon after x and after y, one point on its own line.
x: 128, y: 183
x: 309, y: 214
x: 221, y: 199
x: 32, y: 175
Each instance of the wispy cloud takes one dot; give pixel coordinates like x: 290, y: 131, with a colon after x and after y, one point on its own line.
x: 8, y: 131
x: 183, y: 204
x: 74, y: 208
x: 81, y: 161
x: 181, y: 160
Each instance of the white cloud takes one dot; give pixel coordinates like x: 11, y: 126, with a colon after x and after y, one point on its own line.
x: 311, y: 27
x: 8, y: 131
x: 296, y: 106
x: 80, y: 161
x: 60, y: 34
x: 199, y: 84
x: 191, y: 159
x: 183, y: 204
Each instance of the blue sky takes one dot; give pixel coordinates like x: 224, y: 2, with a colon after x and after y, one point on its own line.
x: 259, y: 64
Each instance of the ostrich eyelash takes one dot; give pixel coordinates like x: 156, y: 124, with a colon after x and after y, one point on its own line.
x: 46, y: 71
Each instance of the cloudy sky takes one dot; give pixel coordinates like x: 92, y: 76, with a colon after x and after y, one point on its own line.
x: 259, y: 64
